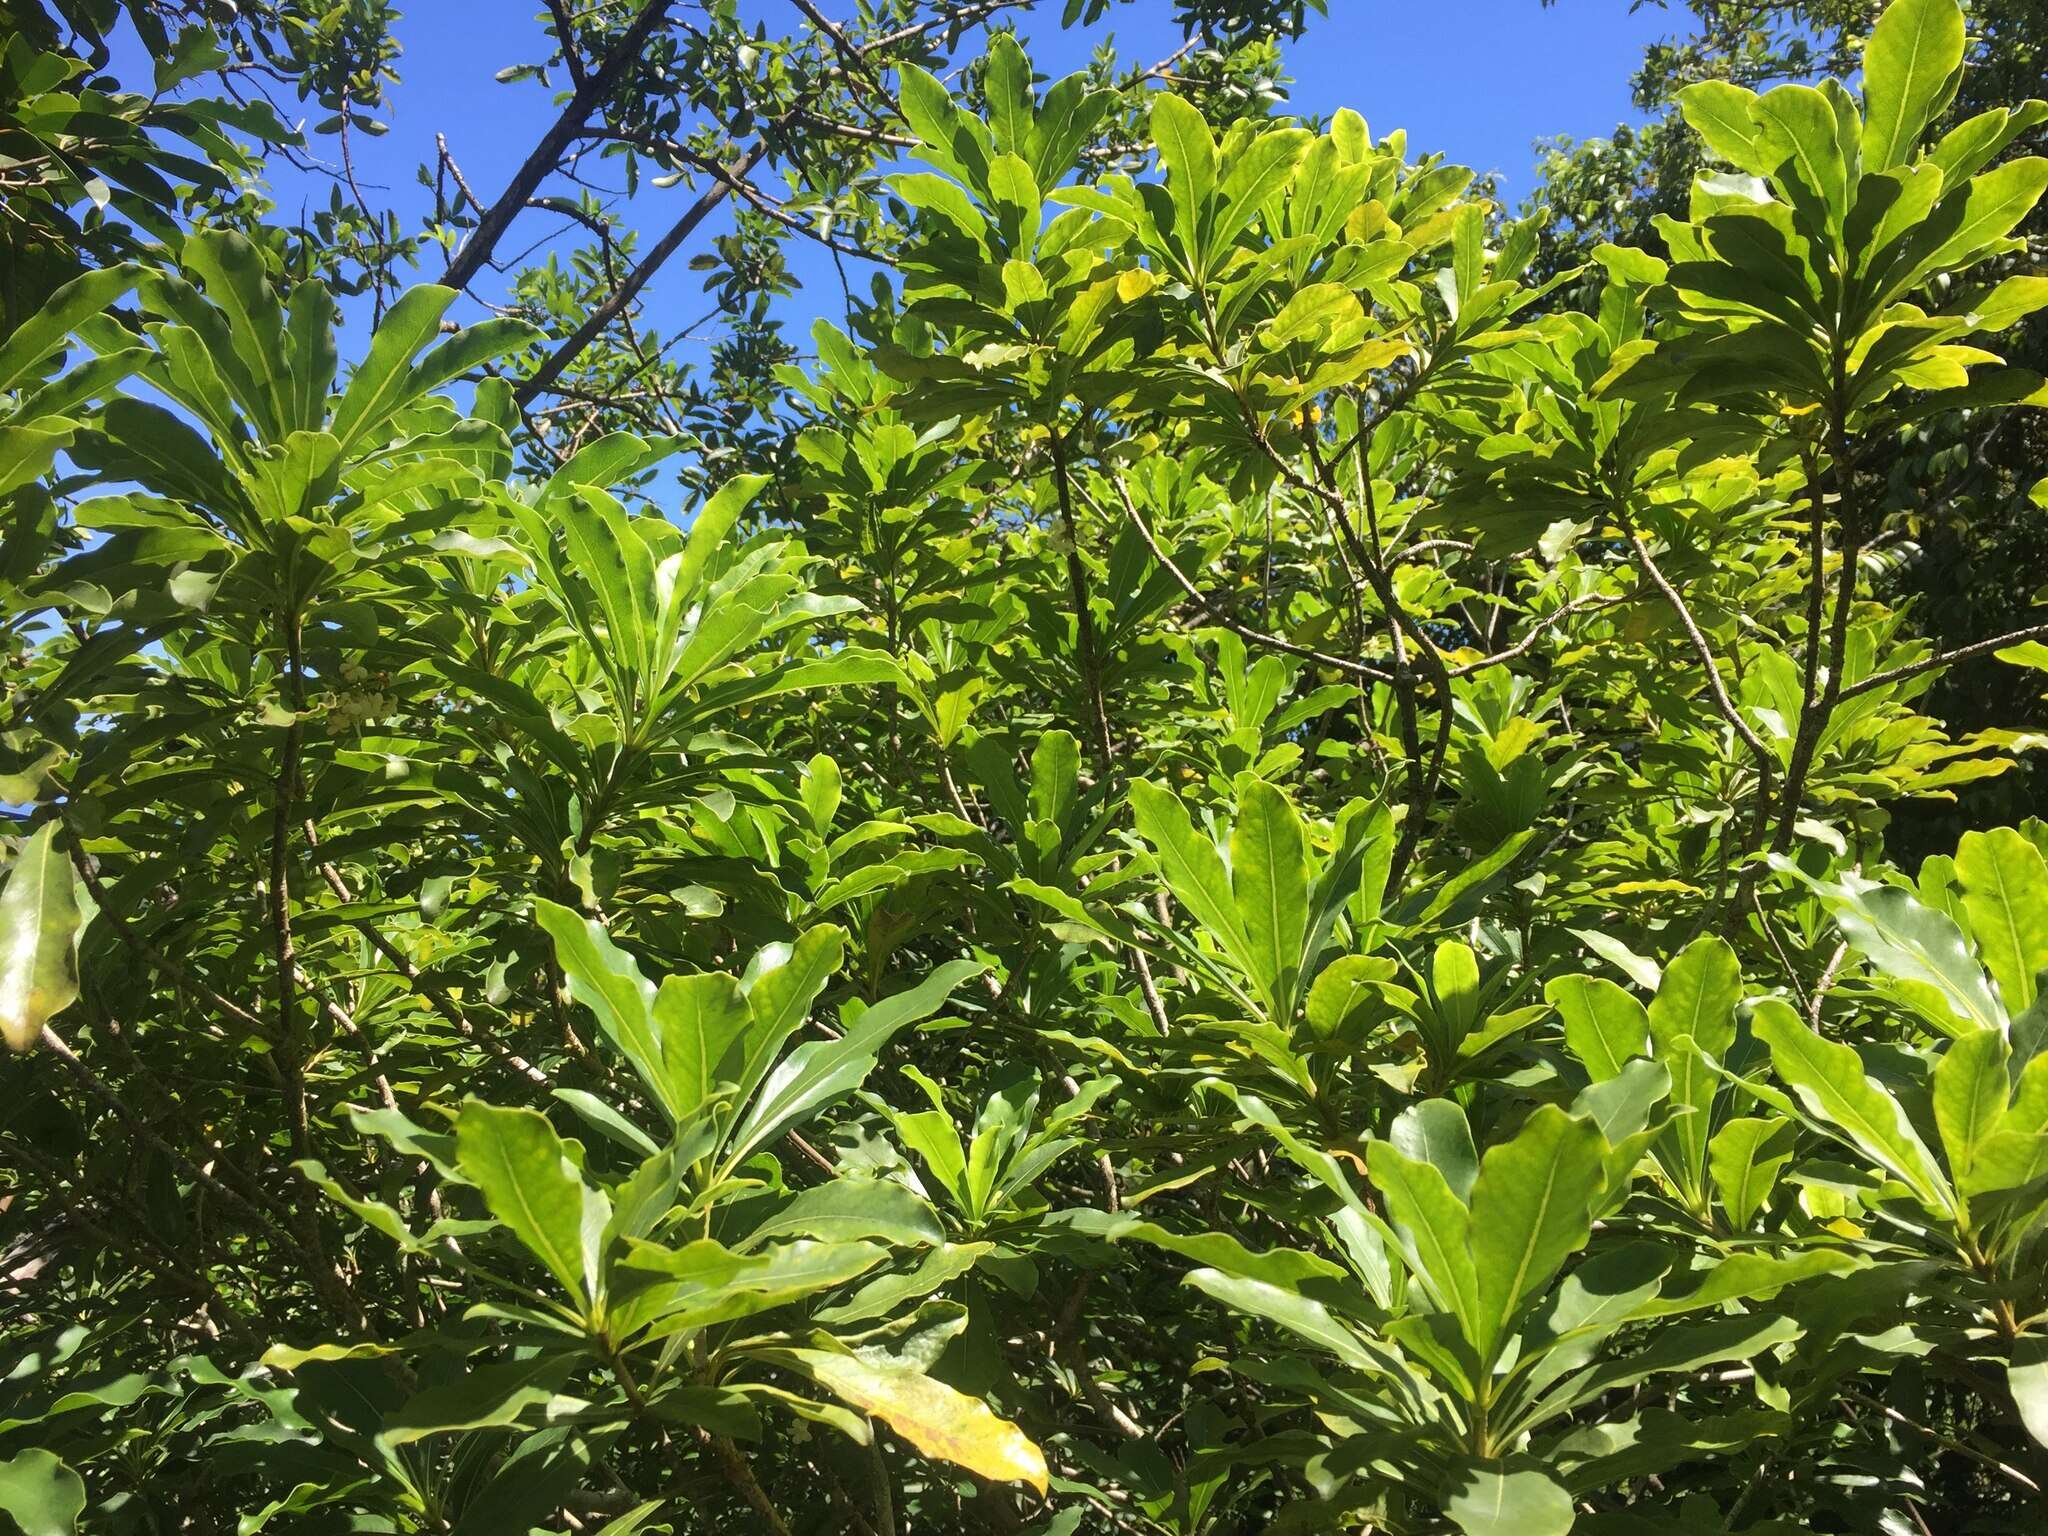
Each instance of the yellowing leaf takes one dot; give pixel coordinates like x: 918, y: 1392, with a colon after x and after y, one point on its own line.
x: 944, y: 1424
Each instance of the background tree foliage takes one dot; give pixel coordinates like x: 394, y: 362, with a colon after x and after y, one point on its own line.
x: 1252, y: 866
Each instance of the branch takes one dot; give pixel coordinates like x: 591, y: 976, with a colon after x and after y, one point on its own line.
x: 602, y: 316
x: 1766, y: 763
x: 1542, y: 627
x: 1942, y: 659
x: 441, y: 1002
x: 547, y: 154
x: 1243, y: 631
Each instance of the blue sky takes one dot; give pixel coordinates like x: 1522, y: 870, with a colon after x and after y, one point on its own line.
x: 1481, y: 80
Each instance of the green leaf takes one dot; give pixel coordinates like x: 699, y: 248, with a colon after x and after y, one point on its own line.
x: 1745, y: 1157
x: 1796, y: 131
x: 698, y: 1020
x: 1749, y: 1277
x: 39, y: 923
x: 1345, y: 989
x: 1971, y: 1085
x: 43, y: 332
x: 44, y: 1496
x: 1723, y: 115
x: 1905, y: 940
x: 1830, y: 1081
x: 781, y: 985
x: 530, y: 1184
x: 823, y: 1071
x: 2027, y: 1375
x: 944, y: 1424
x: 231, y: 268
x: 1604, y: 1025
x: 1486, y: 1499
x: 704, y: 1282
x: 1908, y: 64
x: 1187, y: 152
x: 488, y: 1397
x: 379, y: 385
x: 847, y: 1209
x: 2005, y: 895
x: 607, y: 981
x: 1435, y: 1228
x: 1298, y: 1314
x: 1531, y: 1210
x: 1682, y: 1148
x: 1436, y: 1132
x: 1697, y: 997
x: 1269, y: 884
x: 1192, y: 867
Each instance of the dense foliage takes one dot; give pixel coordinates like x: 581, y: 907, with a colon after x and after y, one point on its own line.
x: 1238, y: 882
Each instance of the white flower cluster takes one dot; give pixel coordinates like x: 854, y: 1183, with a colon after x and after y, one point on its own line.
x: 356, y: 705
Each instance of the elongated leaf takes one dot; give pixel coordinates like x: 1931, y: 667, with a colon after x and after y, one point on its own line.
x: 1913, y: 51
x: 2028, y: 1378
x: 607, y: 981
x: 1187, y: 150
x: 378, y: 386
x: 1750, y: 1276
x: 1899, y: 936
x: 1436, y: 1132
x: 1604, y: 1024
x: 1723, y: 115
x: 1192, y: 867
x: 698, y: 1020
x: 1269, y: 884
x: 1531, y: 1210
x: 823, y: 1071
x: 705, y: 1283
x: 528, y: 1181
x: 1745, y: 1157
x: 1970, y: 1090
x: 1435, y: 1228
x: 41, y: 333
x: 1697, y: 997
x: 1830, y: 1081
x: 944, y: 1424
x: 39, y: 924
x: 848, y: 1209
x: 232, y: 270
x: 781, y: 986
x: 1298, y: 1314
x: 489, y: 1396
x: 2005, y: 895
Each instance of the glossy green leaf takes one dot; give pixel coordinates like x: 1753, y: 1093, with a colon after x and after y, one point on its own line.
x: 1604, y: 1024
x: 1488, y: 1499
x: 1697, y: 996
x: 528, y: 1180
x: 44, y: 1496
x: 2005, y: 894
x: 1531, y: 1210
x: 1908, y: 68
x: 1435, y: 1228
x: 1830, y: 1081
x: 1745, y: 1157
x: 1269, y: 885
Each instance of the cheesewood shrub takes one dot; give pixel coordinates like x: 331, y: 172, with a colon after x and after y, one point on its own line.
x: 1242, y: 889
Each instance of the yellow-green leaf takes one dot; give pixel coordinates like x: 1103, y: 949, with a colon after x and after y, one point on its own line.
x: 39, y: 925
x: 944, y: 1424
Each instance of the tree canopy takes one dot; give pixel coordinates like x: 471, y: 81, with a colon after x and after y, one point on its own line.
x: 1270, y: 851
